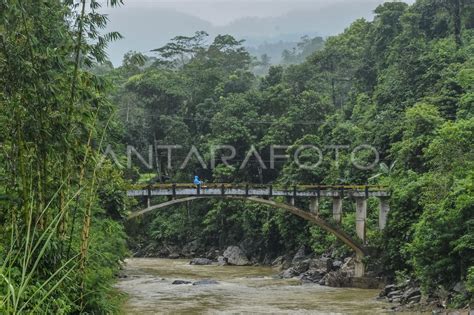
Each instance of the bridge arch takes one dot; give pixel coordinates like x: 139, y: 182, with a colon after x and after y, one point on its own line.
x: 356, y: 246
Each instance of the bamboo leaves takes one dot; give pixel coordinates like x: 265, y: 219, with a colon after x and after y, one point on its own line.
x: 51, y: 106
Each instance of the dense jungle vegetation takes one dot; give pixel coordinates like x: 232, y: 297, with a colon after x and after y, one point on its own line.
x: 59, y: 246
x: 403, y: 83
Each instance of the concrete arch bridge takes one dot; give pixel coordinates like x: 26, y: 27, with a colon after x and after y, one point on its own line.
x: 262, y: 194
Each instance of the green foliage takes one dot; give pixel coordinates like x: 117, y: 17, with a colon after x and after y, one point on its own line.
x: 470, y: 280
x: 419, y: 128
x: 401, y: 83
x: 60, y: 248
x: 443, y: 237
x: 443, y: 245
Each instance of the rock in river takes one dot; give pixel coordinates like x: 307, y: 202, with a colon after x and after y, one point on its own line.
x: 222, y: 261
x: 235, y: 256
x: 201, y: 261
x: 181, y: 282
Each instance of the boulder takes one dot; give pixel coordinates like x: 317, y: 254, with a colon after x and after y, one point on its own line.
x: 387, y: 289
x: 396, y: 293
x: 178, y: 282
x: 287, y: 262
x: 301, y: 266
x: 410, y: 292
x: 336, y: 279
x: 337, y: 264
x: 205, y: 282
x: 213, y: 253
x: 313, y: 276
x: 235, y: 256
x: 323, y: 280
x: 201, y: 261
x: 414, y: 299
x: 222, y: 261
x: 308, y: 269
x: 288, y: 273
x: 277, y: 262
x: 404, y: 284
x: 322, y: 263
x: 300, y: 255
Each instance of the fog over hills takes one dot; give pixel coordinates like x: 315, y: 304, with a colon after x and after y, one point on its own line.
x: 147, y: 25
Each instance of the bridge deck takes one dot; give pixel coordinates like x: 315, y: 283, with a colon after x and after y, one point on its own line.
x: 252, y: 191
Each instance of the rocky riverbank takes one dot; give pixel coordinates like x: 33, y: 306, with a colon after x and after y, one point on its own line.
x: 407, y: 296
x: 327, y: 270
x: 322, y: 270
x: 302, y: 265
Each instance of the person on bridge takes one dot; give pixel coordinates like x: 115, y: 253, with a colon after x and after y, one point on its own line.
x: 197, y: 181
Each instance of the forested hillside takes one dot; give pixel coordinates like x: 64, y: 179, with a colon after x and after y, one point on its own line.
x: 402, y: 83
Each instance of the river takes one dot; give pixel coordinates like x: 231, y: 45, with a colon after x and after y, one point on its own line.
x: 250, y: 290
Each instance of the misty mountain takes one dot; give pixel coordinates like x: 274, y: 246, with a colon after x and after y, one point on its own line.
x: 329, y: 20
x: 147, y: 28
x: 271, y: 47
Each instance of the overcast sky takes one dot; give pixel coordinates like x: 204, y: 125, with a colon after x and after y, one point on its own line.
x: 221, y: 12
x: 149, y: 24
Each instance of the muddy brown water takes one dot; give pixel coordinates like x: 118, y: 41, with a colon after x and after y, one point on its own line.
x: 240, y: 290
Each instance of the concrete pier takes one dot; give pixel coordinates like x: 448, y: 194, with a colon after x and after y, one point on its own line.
x: 384, y: 209
x: 337, y: 209
x: 361, y: 217
x: 359, y: 266
x: 314, y: 206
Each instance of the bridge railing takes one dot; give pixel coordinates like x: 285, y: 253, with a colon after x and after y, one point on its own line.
x: 226, y: 189
x: 303, y: 187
